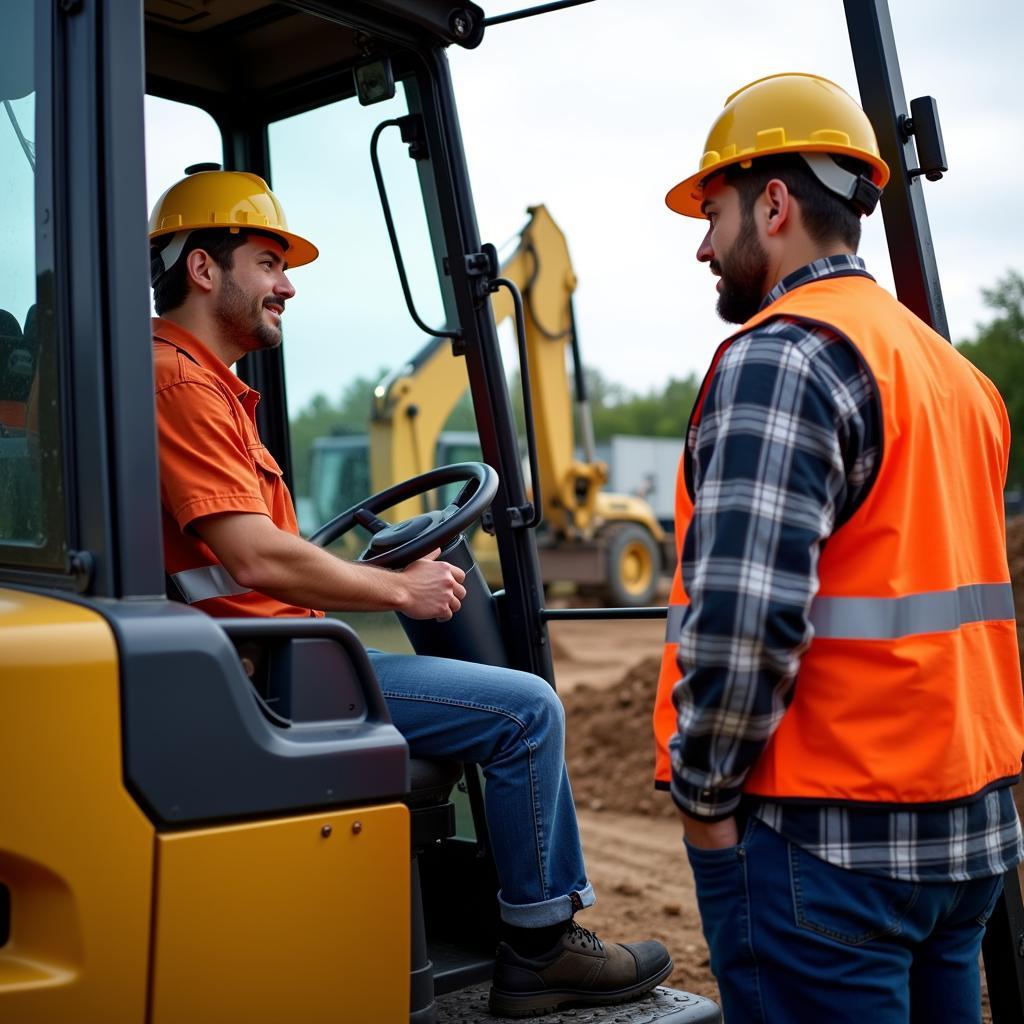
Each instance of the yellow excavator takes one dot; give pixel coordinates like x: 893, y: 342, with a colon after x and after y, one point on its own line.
x: 608, y: 544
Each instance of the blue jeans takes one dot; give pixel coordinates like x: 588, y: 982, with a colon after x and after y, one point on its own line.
x: 795, y: 939
x: 511, y: 724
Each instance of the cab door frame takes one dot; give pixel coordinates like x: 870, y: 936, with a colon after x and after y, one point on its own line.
x: 101, y: 289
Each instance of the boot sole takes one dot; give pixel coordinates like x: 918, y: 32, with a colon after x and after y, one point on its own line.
x: 534, y: 1004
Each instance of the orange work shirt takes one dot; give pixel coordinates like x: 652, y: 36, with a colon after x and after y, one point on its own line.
x: 211, y: 461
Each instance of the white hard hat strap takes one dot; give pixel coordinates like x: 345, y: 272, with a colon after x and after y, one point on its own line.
x: 171, y: 253
x: 863, y: 193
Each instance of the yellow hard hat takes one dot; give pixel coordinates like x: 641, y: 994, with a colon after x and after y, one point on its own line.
x: 788, y: 113
x: 223, y: 199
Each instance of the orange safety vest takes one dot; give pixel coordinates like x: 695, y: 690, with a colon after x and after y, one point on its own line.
x: 910, y: 691
x: 664, y: 709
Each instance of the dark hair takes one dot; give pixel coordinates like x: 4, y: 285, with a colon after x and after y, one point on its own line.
x: 171, y: 288
x: 826, y: 216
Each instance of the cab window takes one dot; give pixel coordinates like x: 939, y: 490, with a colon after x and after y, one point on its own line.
x: 347, y: 329
x: 351, y: 349
x: 178, y: 136
x: 33, y: 528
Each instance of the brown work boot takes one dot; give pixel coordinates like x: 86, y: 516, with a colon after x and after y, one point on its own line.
x: 580, y: 970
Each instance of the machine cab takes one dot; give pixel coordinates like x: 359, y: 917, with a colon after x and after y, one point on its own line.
x: 216, y: 819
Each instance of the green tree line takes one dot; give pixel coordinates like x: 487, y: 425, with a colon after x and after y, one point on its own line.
x: 660, y: 412
x: 997, y: 350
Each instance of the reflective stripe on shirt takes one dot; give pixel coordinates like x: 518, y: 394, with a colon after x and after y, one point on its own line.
x: 206, y: 582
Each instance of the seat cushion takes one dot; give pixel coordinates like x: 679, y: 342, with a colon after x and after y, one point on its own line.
x: 431, y: 780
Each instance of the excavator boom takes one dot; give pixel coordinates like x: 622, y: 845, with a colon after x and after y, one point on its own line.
x: 581, y: 522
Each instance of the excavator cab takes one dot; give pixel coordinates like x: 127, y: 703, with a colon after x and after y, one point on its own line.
x: 200, y: 827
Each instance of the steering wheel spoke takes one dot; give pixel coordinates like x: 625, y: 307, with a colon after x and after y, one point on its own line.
x: 368, y: 521
x: 468, y: 489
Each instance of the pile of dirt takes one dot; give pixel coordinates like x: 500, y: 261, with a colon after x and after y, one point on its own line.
x: 609, y: 744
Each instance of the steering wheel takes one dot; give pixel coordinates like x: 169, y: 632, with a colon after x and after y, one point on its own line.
x: 395, y: 546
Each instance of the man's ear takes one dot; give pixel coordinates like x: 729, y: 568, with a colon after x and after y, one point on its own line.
x: 200, y: 268
x: 778, y: 205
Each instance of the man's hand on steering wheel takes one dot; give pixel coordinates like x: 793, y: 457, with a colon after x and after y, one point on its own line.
x: 433, y: 589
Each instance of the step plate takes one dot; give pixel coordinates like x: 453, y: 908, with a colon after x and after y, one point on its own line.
x: 663, y: 1005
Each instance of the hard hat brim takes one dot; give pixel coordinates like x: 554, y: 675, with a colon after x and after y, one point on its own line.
x: 300, y: 251
x: 686, y: 197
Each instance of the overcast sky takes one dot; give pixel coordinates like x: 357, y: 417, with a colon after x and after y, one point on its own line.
x: 596, y: 111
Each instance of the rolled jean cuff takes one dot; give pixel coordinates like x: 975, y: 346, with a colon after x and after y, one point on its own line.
x: 548, y: 912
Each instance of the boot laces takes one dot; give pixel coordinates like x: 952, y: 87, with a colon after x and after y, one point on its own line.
x: 583, y: 937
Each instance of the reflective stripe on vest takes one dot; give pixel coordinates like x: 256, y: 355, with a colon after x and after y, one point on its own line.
x: 668, y: 672
x: 888, y: 618
x: 206, y: 582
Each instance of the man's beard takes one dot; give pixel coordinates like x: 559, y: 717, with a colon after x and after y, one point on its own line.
x: 743, y: 269
x: 241, y: 318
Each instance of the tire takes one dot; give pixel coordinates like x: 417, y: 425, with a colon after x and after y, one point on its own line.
x: 632, y: 566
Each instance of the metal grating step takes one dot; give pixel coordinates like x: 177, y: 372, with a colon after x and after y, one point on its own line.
x: 663, y: 1005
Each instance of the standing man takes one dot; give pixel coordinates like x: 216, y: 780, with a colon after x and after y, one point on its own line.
x: 220, y: 252
x: 849, y: 717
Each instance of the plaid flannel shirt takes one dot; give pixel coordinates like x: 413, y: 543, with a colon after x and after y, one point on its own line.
x: 788, y: 438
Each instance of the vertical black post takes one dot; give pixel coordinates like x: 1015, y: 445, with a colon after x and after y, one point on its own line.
x: 917, y: 284
x: 525, y: 632
x: 135, y: 494
x: 903, y: 208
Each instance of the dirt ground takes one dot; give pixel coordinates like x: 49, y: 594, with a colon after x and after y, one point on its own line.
x: 607, y: 675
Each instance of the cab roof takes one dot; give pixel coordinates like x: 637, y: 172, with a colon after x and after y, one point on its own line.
x: 216, y: 52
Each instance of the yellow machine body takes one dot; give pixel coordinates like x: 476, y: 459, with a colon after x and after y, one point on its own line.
x: 76, y: 852
x: 542, y: 269
x: 305, y: 918
x: 410, y: 409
